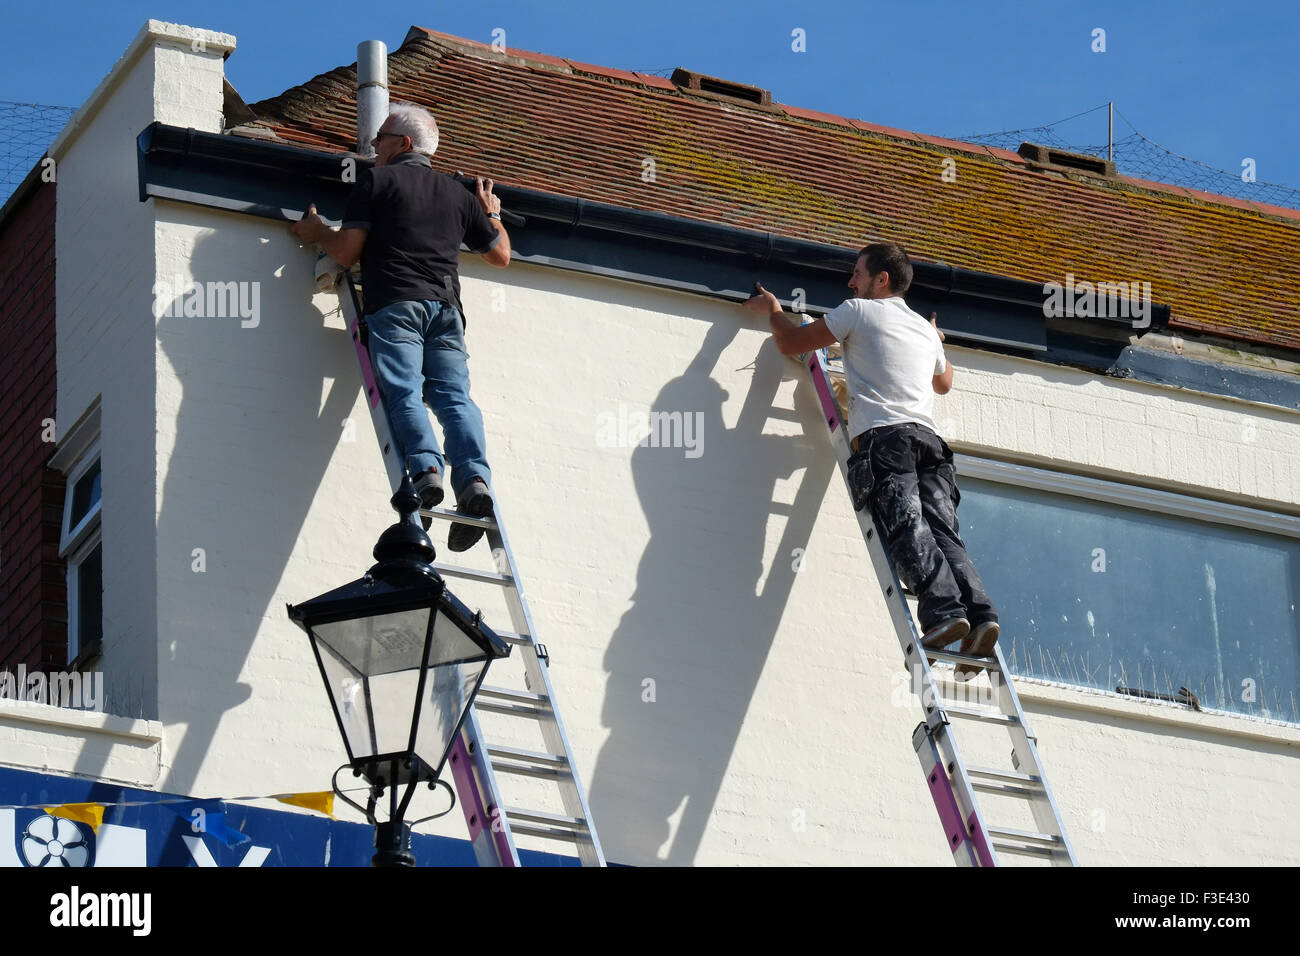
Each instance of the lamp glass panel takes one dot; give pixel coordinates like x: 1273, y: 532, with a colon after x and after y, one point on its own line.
x: 447, y: 693
x: 450, y: 644
x: 456, y: 667
x: 348, y: 692
x: 380, y: 644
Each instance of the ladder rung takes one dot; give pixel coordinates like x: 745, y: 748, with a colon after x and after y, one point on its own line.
x: 973, y: 714
x: 559, y: 821
x: 952, y: 657
x: 529, y: 763
x: 1008, y: 789
x: 512, y: 638
x: 512, y: 696
x: 568, y: 836
x: 1038, y: 851
x: 1006, y: 776
x: 513, y: 710
x: 1000, y: 835
x: 517, y: 703
x: 447, y: 514
x: 471, y: 574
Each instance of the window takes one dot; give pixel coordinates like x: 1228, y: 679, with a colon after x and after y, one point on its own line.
x: 1143, y: 592
x: 80, y: 546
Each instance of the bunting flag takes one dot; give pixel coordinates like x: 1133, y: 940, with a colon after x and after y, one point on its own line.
x: 208, y: 817
x: 322, y: 802
x: 91, y: 813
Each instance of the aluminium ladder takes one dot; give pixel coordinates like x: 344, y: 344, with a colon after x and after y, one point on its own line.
x: 952, y: 783
x: 476, y: 763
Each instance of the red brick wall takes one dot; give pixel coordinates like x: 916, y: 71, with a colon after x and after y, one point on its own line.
x: 33, y: 592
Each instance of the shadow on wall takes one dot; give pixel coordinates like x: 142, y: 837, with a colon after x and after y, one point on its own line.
x: 252, y: 442
x: 686, y: 657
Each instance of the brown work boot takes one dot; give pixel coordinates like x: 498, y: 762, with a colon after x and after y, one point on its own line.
x: 978, y: 644
x: 946, y: 632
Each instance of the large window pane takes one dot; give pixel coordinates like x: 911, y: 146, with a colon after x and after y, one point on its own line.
x: 1105, y: 596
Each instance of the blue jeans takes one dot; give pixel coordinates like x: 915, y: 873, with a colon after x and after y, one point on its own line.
x: 418, y: 352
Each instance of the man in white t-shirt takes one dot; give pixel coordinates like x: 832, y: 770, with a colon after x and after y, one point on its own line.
x: 894, y: 363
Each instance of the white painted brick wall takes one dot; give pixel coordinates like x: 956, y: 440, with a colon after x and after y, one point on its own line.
x: 103, y: 248
x: 104, y: 325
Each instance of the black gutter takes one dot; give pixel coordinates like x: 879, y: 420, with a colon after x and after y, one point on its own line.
x: 271, y: 179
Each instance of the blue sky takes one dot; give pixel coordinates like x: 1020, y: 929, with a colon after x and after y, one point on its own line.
x: 1215, y: 82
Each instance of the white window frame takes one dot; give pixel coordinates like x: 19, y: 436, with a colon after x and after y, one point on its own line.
x: 77, y: 453
x: 75, y: 559
x: 1130, y: 496
x: 71, y: 539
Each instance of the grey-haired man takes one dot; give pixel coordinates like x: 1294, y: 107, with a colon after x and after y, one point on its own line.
x: 406, y: 223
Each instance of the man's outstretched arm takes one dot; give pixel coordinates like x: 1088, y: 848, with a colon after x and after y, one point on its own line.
x: 792, y: 337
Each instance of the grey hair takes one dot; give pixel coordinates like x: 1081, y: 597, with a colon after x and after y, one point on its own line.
x: 407, y: 119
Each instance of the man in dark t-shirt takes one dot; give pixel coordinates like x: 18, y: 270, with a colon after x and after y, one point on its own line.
x: 406, y: 223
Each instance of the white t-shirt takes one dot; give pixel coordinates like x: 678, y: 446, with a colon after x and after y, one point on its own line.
x: 890, y: 356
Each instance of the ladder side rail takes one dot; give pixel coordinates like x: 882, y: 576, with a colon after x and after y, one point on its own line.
x: 1047, y: 815
x: 489, y: 832
x: 539, y: 682
x: 394, y: 462
x: 922, y: 679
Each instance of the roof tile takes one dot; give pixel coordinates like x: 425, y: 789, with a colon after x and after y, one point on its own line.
x: 815, y: 115
x: 609, y: 72
x: 649, y: 79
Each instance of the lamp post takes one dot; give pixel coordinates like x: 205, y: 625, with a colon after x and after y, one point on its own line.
x: 402, y: 660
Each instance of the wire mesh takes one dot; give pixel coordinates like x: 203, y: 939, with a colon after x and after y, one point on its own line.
x: 26, y: 131
x: 1140, y: 157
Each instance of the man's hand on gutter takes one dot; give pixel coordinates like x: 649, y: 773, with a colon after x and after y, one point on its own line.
x: 499, y: 254
x: 311, y: 227
x: 934, y: 321
x: 763, y: 302
x: 342, y: 245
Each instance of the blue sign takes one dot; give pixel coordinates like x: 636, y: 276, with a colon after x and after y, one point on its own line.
x: 147, y: 828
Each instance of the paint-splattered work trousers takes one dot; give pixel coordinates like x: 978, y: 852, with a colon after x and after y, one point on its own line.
x: 905, y: 474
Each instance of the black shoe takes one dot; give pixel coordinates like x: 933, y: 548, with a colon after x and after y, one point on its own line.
x: 428, y: 485
x: 476, y: 501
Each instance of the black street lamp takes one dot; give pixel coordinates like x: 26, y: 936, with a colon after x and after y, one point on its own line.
x: 402, y: 660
